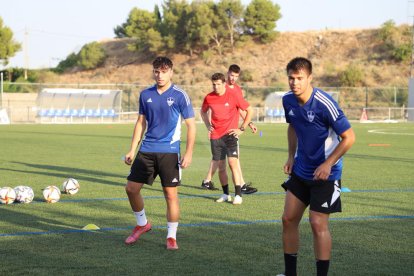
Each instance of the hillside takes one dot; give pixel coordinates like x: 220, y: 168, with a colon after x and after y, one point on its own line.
x: 331, y: 51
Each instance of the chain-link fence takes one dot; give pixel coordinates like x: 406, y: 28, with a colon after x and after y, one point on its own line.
x: 21, y: 107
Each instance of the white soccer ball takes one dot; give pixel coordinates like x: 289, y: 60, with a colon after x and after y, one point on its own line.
x: 51, y: 194
x: 71, y: 186
x: 7, y: 195
x: 24, y: 194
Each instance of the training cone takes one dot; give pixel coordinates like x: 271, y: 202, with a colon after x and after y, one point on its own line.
x: 91, y: 227
x: 364, y: 116
x: 345, y: 190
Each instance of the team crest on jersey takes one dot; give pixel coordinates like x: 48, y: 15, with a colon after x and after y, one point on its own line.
x: 311, y: 116
x: 170, y: 101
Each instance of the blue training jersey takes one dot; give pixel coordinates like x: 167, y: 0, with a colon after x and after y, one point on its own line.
x: 163, y: 113
x: 318, y: 124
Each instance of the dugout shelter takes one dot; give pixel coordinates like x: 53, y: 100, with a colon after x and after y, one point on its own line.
x: 67, y: 105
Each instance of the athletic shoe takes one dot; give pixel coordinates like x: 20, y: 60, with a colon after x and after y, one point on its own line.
x: 237, y: 200
x: 137, y: 232
x: 172, y: 244
x: 280, y: 275
x: 247, y: 189
x: 224, y: 198
x: 209, y: 185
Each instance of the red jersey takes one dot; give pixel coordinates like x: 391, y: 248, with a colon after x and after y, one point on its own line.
x: 236, y: 89
x: 224, y: 111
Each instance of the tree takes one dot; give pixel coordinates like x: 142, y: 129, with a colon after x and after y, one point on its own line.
x: 8, y: 47
x: 175, y: 24
x: 69, y: 62
x: 260, y: 19
x: 231, y: 12
x: 91, y: 55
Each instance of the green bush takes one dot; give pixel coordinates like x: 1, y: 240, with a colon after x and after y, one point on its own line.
x: 352, y: 76
x: 91, y: 56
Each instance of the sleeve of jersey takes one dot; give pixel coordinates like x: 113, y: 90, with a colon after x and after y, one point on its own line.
x: 141, y: 110
x: 204, y: 107
x: 285, y: 109
x: 186, y: 107
x: 337, y: 119
x: 242, y: 103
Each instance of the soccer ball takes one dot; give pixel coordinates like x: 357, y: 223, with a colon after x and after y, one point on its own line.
x: 24, y: 194
x: 71, y: 186
x: 7, y: 195
x: 51, y: 194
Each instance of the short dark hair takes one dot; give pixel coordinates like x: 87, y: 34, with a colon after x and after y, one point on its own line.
x: 299, y: 63
x: 162, y: 63
x: 218, y: 76
x: 234, y: 68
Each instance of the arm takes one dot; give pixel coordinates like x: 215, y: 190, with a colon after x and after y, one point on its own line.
x: 292, y: 145
x: 251, y: 124
x: 139, y: 129
x: 324, y: 170
x: 205, y: 116
x: 191, y: 134
x: 237, y: 131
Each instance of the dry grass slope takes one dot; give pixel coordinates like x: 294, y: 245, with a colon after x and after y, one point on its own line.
x: 330, y: 50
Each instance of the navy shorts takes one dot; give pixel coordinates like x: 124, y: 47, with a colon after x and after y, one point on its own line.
x: 322, y: 196
x: 147, y: 165
x: 227, y: 145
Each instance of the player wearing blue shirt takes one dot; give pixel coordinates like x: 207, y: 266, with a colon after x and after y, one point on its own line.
x: 319, y: 135
x: 161, y: 108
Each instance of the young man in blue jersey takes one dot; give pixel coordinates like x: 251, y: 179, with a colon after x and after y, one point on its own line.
x: 161, y: 109
x: 319, y: 135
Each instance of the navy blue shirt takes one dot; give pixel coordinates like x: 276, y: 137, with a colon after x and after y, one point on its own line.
x: 318, y: 124
x: 163, y: 113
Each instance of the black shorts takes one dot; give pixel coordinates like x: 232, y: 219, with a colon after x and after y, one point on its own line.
x: 322, y: 196
x: 227, y: 145
x: 147, y: 165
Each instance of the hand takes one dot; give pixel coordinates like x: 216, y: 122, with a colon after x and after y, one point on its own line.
x: 287, y: 168
x: 235, y: 132
x: 186, y: 161
x: 129, y: 157
x: 322, y: 172
x: 253, y: 127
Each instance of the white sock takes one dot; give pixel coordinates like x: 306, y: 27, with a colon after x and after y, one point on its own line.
x: 141, y: 218
x: 172, y: 229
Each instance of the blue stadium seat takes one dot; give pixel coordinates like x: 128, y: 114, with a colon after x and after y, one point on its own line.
x: 112, y: 113
x: 89, y: 113
x: 82, y: 113
x: 269, y: 113
x: 97, y: 113
x: 74, y: 113
x: 66, y: 113
x: 59, y: 113
x: 276, y: 112
x: 51, y: 113
x: 42, y: 112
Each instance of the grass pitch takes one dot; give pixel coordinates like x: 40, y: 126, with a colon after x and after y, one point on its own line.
x: 372, y: 236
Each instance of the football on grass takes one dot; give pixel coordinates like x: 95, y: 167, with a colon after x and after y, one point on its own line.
x: 24, y: 194
x: 71, y: 186
x: 7, y: 195
x: 51, y: 194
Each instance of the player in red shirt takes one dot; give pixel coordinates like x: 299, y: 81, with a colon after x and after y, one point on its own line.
x: 220, y: 114
x: 233, y: 74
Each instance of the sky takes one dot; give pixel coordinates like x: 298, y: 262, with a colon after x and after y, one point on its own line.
x: 50, y: 30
